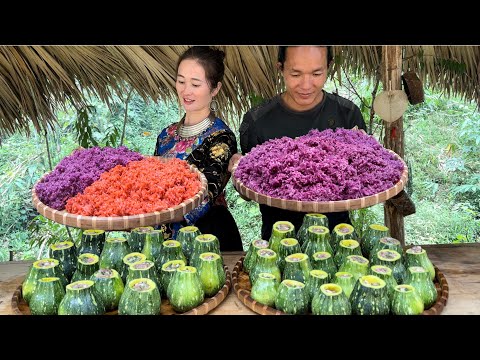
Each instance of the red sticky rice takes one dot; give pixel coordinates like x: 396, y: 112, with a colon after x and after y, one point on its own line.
x: 139, y: 187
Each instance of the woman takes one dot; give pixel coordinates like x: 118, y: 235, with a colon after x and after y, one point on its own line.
x: 204, y: 140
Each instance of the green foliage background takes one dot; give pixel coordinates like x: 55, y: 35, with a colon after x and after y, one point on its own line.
x: 442, y: 143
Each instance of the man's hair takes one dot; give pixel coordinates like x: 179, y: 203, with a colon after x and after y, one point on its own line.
x: 282, y: 53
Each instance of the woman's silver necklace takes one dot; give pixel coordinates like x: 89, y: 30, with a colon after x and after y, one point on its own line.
x: 188, y: 131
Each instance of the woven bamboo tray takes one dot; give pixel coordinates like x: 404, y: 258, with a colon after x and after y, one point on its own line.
x: 123, y: 222
x: 241, y: 287
x: 20, y: 307
x: 323, y: 206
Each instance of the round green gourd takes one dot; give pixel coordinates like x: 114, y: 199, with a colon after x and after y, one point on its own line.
x: 109, y: 286
x: 81, y: 299
x: 292, y: 297
x: 280, y: 230
x: 265, y: 289
x: 185, y: 290
x: 92, y: 242
x: 141, y: 297
x: 212, y: 275
x: 310, y: 219
x: 66, y: 254
x: 406, y: 301
x: 47, y: 296
x: 331, y: 300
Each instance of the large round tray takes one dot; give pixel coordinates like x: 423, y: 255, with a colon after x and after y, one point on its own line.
x: 123, y: 222
x: 20, y: 307
x: 322, y: 206
x: 241, y: 287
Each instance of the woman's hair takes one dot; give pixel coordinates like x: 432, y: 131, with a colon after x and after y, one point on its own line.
x: 282, y: 53
x: 210, y: 59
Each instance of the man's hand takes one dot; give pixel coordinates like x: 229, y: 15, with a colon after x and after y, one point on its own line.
x: 233, y: 160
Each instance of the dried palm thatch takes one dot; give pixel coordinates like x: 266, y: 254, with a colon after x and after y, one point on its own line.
x: 36, y: 81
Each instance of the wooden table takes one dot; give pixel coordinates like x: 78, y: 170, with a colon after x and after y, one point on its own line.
x: 459, y: 263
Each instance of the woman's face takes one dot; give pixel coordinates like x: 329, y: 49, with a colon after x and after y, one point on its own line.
x: 192, y: 86
x: 305, y: 73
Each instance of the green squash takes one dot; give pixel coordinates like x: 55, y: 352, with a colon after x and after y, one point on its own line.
x: 202, y: 244
x: 355, y: 265
x: 419, y: 278
x: 152, y: 245
x: 66, y: 254
x: 346, y: 281
x: 387, y: 243
x: 171, y: 250
x: 393, y: 260
x: 143, y: 269
x: 265, y: 289
x: 109, y: 286
x: 166, y: 274
x: 128, y: 260
x: 369, y: 296
x: 331, y: 300
x: 372, y: 235
x: 386, y: 274
x: 47, y: 296
x: 314, y: 281
x: 141, y: 297
x: 287, y: 247
x: 346, y: 248
x: 310, y: 219
x: 186, y: 237
x: 212, y: 275
x: 416, y: 256
x: 324, y: 261
x: 406, y: 301
x: 137, y: 237
x: 185, y: 290
x: 47, y: 267
x: 342, y: 232
x: 92, y: 242
x: 280, y: 230
x: 113, y: 252
x: 81, y: 299
x: 251, y: 256
x: 297, y: 267
x: 318, y: 239
x: 266, y: 262
x: 87, y: 264
x: 292, y: 297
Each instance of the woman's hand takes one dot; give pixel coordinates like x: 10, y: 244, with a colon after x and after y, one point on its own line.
x: 234, y: 160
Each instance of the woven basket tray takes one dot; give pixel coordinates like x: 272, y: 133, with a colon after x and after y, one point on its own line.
x: 323, y: 206
x: 123, y: 222
x: 20, y: 307
x: 241, y: 287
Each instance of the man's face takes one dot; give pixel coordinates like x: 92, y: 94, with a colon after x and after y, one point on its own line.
x: 305, y: 73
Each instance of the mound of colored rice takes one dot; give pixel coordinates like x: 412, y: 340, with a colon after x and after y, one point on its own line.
x: 320, y: 166
x: 79, y: 170
x: 140, y: 187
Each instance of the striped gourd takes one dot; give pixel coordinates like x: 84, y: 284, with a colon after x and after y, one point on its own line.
x: 81, y: 299
x: 92, y: 242
x: 331, y: 300
x: 292, y: 297
x: 66, y: 254
x: 109, y: 286
x: 141, y: 297
x: 280, y: 230
x: 47, y: 296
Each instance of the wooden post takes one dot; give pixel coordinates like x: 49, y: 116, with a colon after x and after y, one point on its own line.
x: 392, y: 72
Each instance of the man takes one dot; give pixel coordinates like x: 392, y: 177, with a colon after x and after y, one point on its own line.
x: 303, y: 106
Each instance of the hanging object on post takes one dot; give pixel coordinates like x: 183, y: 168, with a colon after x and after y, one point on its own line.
x: 390, y: 105
x: 413, y: 87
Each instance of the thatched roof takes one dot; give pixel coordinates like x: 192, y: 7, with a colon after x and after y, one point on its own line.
x: 35, y: 81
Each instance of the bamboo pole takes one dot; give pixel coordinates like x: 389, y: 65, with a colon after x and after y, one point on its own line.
x: 393, y: 139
